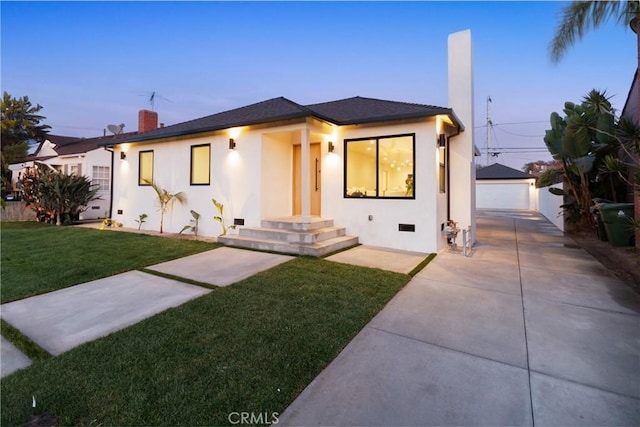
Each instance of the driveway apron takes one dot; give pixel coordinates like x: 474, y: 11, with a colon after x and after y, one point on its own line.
x: 529, y: 330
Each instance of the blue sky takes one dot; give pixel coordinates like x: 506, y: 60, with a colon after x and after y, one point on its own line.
x: 95, y: 63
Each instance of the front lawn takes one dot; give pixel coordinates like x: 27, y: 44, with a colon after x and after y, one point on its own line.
x: 251, y: 347
x: 38, y: 258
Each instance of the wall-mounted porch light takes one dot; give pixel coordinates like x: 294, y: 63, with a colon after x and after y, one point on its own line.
x: 123, y: 155
x: 232, y: 144
x: 331, y: 147
x: 442, y: 140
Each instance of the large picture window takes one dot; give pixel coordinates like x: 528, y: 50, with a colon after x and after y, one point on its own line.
x: 145, y: 169
x: 200, y: 164
x: 381, y: 167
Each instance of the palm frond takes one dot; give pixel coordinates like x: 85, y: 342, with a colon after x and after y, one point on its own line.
x: 582, y: 15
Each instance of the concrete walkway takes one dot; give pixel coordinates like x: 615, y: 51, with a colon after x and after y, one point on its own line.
x: 61, y: 320
x: 530, y: 330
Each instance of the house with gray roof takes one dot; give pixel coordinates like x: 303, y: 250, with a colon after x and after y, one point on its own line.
x: 311, y: 179
x: 76, y: 156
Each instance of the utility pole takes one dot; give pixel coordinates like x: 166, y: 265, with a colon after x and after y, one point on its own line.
x: 489, y: 126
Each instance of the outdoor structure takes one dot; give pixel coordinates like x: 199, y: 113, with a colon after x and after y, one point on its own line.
x: 76, y: 156
x: 386, y: 173
x: 501, y: 187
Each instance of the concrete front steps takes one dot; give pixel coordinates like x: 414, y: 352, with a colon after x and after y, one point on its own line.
x: 292, y: 236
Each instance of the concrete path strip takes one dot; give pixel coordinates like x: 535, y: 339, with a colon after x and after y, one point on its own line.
x: 61, y: 320
x: 529, y: 330
x: 382, y: 258
x: 221, y: 266
x: 11, y: 359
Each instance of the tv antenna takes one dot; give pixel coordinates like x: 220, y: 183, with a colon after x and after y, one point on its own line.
x: 116, y: 129
x: 153, y: 97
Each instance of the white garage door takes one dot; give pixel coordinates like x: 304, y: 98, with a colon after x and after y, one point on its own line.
x: 491, y: 195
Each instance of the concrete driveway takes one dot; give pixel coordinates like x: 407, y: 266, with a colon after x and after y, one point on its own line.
x: 530, y: 330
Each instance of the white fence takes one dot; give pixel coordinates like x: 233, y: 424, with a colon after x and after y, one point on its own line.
x: 549, y: 205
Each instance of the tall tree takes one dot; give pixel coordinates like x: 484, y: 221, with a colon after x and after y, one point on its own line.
x: 20, y: 122
x: 580, y: 16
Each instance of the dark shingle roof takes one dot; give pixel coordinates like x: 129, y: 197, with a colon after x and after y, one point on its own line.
x: 262, y: 112
x: 366, y: 110
x: 83, y: 145
x: 354, y: 110
x: 60, y: 140
x: 498, y: 171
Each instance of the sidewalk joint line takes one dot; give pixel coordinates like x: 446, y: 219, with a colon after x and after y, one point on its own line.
x: 595, y: 387
x: 600, y: 310
x: 444, y: 347
x: 471, y: 287
x: 524, y: 320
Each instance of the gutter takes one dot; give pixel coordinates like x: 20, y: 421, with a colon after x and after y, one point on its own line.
x: 111, y: 182
x: 459, y: 129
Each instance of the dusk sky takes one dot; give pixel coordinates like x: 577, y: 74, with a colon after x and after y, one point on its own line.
x: 90, y: 64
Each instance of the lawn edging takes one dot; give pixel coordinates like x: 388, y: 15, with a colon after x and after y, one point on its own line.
x: 418, y: 268
x: 30, y: 349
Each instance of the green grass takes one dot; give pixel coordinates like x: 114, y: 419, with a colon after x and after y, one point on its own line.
x: 250, y: 347
x: 38, y: 258
x: 30, y: 349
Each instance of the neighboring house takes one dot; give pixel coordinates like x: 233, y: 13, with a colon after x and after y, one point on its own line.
x: 77, y: 156
x: 386, y: 173
x: 630, y: 111
x: 501, y: 187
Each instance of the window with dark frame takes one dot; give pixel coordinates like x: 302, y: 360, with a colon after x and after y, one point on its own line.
x: 145, y: 167
x: 200, y: 164
x: 380, y: 167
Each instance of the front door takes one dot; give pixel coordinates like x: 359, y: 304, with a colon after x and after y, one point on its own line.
x: 315, y: 184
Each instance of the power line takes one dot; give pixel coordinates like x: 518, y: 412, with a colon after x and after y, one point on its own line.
x: 518, y: 134
x: 513, y: 123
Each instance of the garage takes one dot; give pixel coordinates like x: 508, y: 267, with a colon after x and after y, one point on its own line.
x: 501, y: 187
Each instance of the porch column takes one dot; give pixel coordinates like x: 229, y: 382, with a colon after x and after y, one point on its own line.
x: 306, y: 175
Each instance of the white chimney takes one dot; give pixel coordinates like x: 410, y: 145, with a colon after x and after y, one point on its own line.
x: 462, y: 147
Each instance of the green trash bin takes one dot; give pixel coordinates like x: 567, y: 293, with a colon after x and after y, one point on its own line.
x: 618, y: 221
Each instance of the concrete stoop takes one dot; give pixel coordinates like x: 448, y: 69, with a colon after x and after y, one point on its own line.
x: 292, y: 236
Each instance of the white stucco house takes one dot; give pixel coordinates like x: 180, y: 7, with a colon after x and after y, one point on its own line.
x: 310, y: 179
x: 501, y: 187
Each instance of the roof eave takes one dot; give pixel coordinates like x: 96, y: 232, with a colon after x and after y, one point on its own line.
x: 393, y: 117
x: 143, y: 137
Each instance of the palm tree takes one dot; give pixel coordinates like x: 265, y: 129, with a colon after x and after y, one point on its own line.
x: 165, y: 200
x: 580, y: 16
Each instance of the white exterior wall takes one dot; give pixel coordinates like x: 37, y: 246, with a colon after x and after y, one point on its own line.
x: 234, y: 182
x: 549, y: 205
x: 426, y: 211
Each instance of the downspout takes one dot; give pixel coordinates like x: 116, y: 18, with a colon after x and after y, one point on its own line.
x: 449, y: 172
x: 110, y: 186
